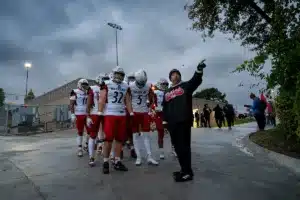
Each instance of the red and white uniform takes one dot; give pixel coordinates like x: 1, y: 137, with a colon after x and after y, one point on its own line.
x: 80, y: 108
x: 94, y: 128
x: 115, y: 113
x: 141, y: 117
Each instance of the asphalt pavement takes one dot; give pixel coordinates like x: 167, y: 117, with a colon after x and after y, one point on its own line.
x: 45, y: 166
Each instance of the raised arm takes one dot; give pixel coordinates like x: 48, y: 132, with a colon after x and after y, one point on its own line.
x: 196, y: 80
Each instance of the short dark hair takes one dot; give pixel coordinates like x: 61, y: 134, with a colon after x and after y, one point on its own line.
x: 252, y: 95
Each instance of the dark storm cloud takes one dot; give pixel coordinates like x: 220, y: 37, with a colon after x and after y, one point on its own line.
x: 68, y: 39
x: 11, y: 53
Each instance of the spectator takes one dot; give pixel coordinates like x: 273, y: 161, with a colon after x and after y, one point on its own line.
x: 229, y: 114
x: 218, y: 115
x: 202, y: 119
x: 258, y: 109
x: 206, y: 112
x: 271, y: 117
x: 197, y: 118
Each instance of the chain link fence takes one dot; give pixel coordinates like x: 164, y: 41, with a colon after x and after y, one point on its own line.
x: 22, y: 119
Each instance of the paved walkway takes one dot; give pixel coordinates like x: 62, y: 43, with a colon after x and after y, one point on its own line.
x: 45, y: 167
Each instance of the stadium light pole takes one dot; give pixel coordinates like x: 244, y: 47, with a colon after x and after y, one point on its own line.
x: 117, y: 28
x: 27, y: 66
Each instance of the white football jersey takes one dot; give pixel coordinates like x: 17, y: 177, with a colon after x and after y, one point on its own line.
x: 96, y: 92
x: 81, y: 102
x: 140, y: 97
x: 115, y: 104
x: 159, y: 96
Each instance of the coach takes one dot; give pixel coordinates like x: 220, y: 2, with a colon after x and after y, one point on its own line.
x: 178, y: 117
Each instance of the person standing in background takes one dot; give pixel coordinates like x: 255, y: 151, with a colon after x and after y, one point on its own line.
x: 202, y: 120
x: 206, y: 112
x: 229, y: 114
x: 218, y: 115
x: 258, y: 108
x: 197, y: 118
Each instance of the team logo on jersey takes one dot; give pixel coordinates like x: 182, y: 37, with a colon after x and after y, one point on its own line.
x: 174, y: 93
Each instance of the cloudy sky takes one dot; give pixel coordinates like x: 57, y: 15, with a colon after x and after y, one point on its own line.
x: 68, y: 39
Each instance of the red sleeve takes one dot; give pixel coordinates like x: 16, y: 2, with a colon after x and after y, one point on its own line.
x: 90, y: 93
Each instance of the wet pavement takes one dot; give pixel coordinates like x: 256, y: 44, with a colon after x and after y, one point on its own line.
x: 46, y: 167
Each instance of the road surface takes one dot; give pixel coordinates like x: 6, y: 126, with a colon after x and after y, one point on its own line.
x: 45, y: 166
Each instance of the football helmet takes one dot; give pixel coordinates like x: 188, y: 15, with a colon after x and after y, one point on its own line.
x: 162, y: 84
x: 83, y: 84
x: 118, y: 75
x: 140, y: 78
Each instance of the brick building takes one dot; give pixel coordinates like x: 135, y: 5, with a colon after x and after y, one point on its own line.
x: 53, y: 105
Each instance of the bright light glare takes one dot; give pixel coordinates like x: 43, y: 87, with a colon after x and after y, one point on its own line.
x: 27, y: 65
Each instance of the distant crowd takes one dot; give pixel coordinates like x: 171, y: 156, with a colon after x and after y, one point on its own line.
x: 221, y: 115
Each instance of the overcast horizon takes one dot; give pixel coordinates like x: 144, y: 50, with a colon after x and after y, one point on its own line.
x: 68, y: 39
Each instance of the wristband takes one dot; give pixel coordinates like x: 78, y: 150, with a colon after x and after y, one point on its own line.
x: 100, y: 113
x: 131, y: 114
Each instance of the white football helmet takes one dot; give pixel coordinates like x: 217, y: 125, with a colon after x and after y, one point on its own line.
x: 140, y: 78
x: 162, y: 84
x: 83, y: 84
x: 102, y: 78
x: 118, y: 75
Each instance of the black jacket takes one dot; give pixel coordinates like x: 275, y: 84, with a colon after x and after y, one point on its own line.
x: 177, y: 103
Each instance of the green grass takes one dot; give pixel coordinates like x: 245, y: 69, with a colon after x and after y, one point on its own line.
x: 274, y: 140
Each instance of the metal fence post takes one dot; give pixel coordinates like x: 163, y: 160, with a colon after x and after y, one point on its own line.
x: 6, y: 118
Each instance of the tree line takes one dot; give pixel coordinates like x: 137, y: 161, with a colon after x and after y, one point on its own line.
x: 271, y: 29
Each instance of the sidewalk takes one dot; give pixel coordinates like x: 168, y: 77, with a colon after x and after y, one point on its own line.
x: 46, y: 167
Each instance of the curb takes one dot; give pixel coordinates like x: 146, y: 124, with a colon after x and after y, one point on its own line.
x: 291, y: 163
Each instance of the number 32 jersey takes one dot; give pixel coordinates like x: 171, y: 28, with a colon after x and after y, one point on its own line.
x: 140, y: 97
x: 115, y: 104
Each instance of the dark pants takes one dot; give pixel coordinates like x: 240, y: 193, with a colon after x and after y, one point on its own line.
x: 207, y: 121
x: 181, y: 139
x: 261, y: 120
x: 197, y: 122
x: 230, y: 120
x: 219, y: 122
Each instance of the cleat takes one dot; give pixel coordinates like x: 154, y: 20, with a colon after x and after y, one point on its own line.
x: 85, y: 148
x: 151, y: 161
x: 162, y: 156
x: 92, y: 162
x: 138, y: 162
x: 105, y: 168
x: 119, y: 166
x: 79, y: 153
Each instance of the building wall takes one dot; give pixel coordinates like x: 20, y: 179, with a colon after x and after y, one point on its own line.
x: 50, y: 101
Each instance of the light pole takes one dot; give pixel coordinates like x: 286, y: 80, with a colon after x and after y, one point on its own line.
x: 27, y: 66
x: 116, y: 27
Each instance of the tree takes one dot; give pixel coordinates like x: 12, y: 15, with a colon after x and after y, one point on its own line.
x: 211, y: 94
x: 2, y: 97
x: 30, y: 95
x: 271, y: 29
